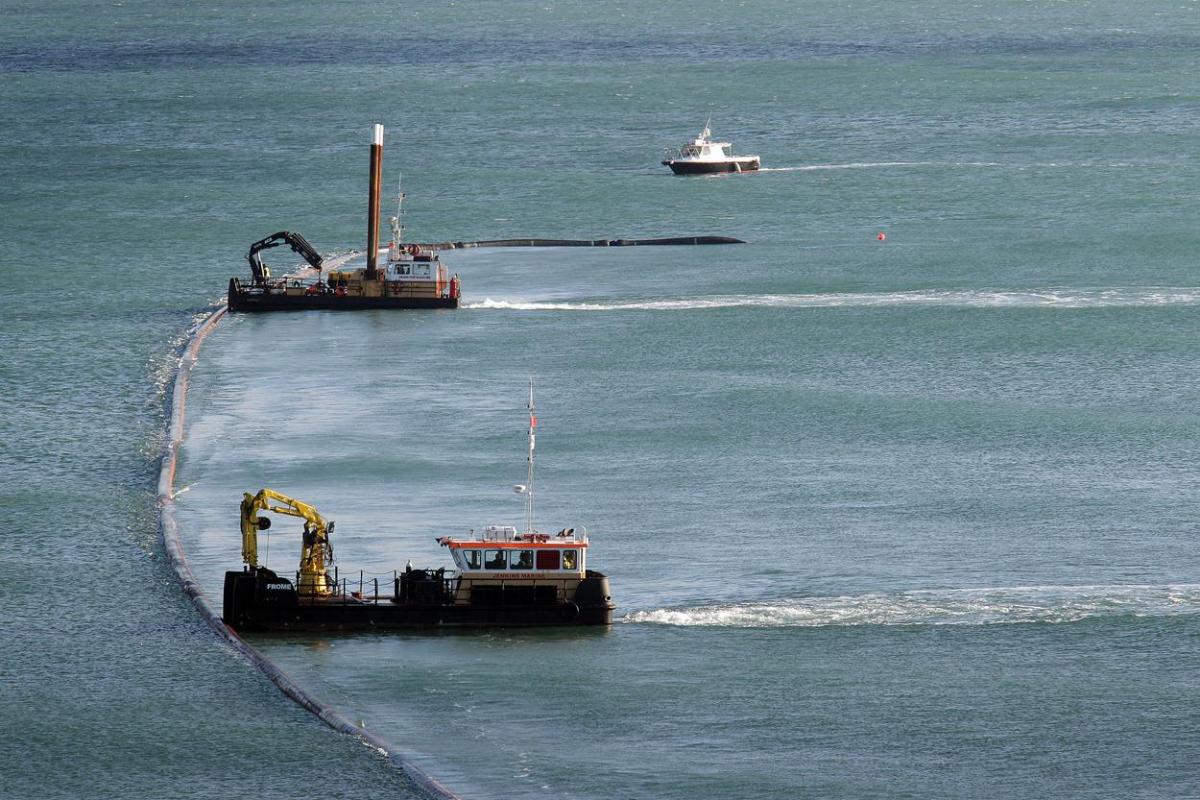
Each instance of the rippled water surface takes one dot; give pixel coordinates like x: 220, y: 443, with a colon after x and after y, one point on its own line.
x: 899, y: 518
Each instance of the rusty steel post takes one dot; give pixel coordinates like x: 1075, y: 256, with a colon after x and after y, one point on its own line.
x: 373, y: 211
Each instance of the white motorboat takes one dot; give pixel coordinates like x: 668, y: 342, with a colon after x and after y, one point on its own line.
x: 703, y: 156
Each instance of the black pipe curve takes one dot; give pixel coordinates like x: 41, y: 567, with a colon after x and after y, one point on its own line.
x: 668, y: 240
x: 174, y: 547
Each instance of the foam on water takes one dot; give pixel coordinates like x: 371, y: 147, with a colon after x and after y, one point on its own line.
x: 1020, y: 298
x: 985, y: 606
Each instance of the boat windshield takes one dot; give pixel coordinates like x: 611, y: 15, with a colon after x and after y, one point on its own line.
x: 541, y: 559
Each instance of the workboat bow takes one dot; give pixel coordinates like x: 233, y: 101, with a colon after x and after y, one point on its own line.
x: 502, y: 577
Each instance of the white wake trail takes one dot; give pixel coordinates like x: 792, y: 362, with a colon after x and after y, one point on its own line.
x: 984, y: 606
x: 961, y: 164
x: 874, y: 165
x: 948, y: 298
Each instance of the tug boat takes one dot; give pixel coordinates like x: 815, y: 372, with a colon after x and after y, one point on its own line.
x: 412, y: 276
x: 703, y: 156
x: 502, y: 578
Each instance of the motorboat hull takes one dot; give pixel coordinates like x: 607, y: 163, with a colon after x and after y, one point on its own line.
x: 688, y: 167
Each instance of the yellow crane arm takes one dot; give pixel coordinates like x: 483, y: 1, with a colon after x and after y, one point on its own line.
x: 315, y: 552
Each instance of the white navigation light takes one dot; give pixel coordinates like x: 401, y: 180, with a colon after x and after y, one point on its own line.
x: 520, y: 488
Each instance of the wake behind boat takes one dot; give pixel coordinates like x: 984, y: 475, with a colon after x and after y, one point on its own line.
x: 703, y: 156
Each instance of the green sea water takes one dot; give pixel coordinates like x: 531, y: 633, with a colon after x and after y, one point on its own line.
x: 901, y: 518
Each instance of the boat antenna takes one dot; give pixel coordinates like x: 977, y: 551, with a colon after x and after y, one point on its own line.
x: 529, y: 485
x: 707, y: 132
x: 398, y: 220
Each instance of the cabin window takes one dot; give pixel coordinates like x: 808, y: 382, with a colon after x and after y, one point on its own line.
x: 521, y: 559
x: 495, y: 559
x: 568, y: 559
x: 471, y: 558
x: 547, y: 559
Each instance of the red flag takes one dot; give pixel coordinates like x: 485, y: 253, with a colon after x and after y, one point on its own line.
x: 532, y: 421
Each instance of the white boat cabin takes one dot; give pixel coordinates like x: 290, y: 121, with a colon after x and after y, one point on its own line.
x: 701, y: 148
x: 411, y: 263
x: 502, y: 552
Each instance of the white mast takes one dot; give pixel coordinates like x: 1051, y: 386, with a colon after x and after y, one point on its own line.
x: 398, y: 220
x: 529, y: 485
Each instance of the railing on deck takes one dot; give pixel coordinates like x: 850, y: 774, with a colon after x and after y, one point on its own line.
x: 365, y: 588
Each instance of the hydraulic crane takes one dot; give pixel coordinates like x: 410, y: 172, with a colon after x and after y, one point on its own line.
x: 262, y: 273
x: 315, y: 552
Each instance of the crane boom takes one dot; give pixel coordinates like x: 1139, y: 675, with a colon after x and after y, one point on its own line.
x: 316, y: 552
x: 295, y: 241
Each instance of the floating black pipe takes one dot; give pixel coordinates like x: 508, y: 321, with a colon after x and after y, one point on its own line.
x: 686, y: 240
x: 173, y: 544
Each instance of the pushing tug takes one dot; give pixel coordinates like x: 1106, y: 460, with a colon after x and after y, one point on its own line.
x: 501, y: 578
x: 703, y: 156
x: 411, y: 277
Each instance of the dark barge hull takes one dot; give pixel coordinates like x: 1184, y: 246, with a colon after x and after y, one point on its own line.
x: 278, y: 301
x: 262, y: 601
x: 709, y: 168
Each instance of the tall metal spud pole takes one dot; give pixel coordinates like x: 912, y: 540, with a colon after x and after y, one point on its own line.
x: 376, y: 188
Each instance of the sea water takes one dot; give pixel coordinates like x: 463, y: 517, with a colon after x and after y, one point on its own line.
x: 899, y: 518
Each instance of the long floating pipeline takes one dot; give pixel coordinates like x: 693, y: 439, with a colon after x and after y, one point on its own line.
x: 670, y: 240
x: 170, y: 534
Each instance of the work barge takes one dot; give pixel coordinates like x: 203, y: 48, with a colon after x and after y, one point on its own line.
x: 501, y: 578
x: 410, y: 276
x: 402, y: 275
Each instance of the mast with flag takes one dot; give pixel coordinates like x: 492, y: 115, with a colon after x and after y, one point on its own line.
x: 529, y: 485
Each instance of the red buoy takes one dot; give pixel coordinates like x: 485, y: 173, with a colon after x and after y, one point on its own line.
x: 882, y: 236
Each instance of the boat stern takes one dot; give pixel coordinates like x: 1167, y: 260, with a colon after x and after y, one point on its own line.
x: 593, y: 598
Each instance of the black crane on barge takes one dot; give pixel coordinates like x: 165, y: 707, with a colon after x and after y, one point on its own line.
x: 409, y: 277
x: 261, y: 272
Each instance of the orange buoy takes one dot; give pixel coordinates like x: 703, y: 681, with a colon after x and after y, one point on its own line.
x: 882, y: 236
